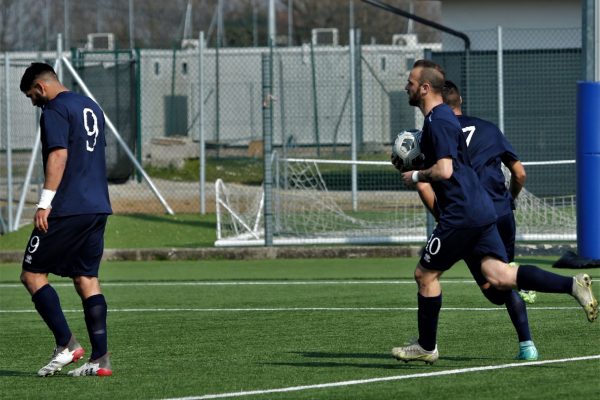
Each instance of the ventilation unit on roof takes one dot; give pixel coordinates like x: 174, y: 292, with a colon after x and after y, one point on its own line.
x: 189, y: 44
x: 100, y: 41
x: 325, y: 37
x: 405, y: 39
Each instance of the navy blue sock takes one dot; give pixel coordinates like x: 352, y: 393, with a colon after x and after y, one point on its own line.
x: 518, y: 315
x: 94, y: 309
x: 429, y: 311
x: 47, y: 305
x: 530, y: 277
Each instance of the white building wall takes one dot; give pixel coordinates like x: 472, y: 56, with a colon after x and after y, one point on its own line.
x: 525, y: 23
x: 530, y: 14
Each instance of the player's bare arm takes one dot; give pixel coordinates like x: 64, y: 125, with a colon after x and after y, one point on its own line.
x: 427, y: 196
x: 517, y: 176
x: 55, y: 168
x: 440, y: 171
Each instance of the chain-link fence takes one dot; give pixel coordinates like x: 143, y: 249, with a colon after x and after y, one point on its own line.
x: 164, y: 102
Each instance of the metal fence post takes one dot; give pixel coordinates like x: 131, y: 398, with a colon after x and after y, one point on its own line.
x: 314, y: 95
x: 8, y: 144
x: 267, y: 83
x: 590, y: 35
x: 138, y: 110
x: 217, y: 98
x: 500, y: 67
x: 353, y: 117
x: 202, y: 155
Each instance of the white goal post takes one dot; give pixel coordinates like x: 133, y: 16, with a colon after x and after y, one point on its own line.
x: 313, y: 204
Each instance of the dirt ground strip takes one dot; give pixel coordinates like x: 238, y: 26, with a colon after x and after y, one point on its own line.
x: 261, y: 253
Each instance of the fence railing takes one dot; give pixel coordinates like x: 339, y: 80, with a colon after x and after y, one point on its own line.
x: 160, y: 98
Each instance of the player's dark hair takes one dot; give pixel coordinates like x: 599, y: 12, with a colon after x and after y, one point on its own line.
x: 431, y: 73
x: 451, y: 94
x: 33, y: 72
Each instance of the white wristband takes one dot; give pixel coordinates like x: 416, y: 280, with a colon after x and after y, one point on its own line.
x: 415, y: 176
x: 46, y: 199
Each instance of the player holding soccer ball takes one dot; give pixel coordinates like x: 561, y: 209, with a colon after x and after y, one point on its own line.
x: 68, y: 238
x: 488, y: 149
x: 466, y: 220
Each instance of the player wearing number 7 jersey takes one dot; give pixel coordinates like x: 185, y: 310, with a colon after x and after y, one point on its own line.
x: 488, y: 149
x: 68, y: 238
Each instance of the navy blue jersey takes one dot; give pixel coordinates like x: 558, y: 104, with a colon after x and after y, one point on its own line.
x: 461, y: 200
x: 487, y: 147
x: 76, y: 123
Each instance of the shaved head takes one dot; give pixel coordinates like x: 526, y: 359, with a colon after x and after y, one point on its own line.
x: 431, y: 73
x: 451, y: 95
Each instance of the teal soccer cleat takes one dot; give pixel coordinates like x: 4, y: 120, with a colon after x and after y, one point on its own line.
x: 527, y: 351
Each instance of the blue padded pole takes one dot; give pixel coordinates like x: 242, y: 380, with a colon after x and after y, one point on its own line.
x: 588, y: 169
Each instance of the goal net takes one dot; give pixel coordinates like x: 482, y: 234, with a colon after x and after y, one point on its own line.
x: 326, y: 202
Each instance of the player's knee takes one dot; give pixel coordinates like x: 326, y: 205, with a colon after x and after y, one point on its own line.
x: 33, y: 281
x: 426, y: 278
x: 496, y: 296
x: 24, y: 278
x: 86, y: 286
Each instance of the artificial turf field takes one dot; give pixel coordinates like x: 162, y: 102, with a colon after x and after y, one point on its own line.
x: 297, y: 329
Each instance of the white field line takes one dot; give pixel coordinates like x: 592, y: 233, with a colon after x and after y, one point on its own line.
x: 249, y: 283
x: 386, y: 378
x: 291, y: 309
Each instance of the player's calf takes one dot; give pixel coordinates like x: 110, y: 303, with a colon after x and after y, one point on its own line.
x: 495, y: 296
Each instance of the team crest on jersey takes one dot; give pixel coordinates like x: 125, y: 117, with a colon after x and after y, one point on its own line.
x: 28, y: 258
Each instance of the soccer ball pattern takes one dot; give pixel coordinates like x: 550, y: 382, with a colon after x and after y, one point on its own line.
x: 406, y: 148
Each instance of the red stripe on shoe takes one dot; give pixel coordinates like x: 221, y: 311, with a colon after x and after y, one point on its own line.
x: 77, y: 354
x: 103, y: 372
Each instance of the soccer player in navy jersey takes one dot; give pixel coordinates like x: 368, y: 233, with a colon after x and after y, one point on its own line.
x: 68, y: 237
x: 466, y: 219
x: 488, y: 149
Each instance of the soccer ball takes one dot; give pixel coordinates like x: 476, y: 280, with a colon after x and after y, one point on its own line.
x: 406, y: 148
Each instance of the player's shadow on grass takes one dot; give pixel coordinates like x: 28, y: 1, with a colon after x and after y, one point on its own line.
x: 390, y: 364
x: 315, y: 354
x: 171, y: 220
x: 382, y: 356
x: 333, y: 364
x: 4, y: 372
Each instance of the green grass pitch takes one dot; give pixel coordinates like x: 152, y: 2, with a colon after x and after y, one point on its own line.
x: 241, y: 329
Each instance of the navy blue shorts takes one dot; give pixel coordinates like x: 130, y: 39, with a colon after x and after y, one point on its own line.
x: 73, y: 246
x: 506, y: 230
x: 447, y: 245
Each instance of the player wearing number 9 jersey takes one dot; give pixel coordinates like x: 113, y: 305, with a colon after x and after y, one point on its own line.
x: 74, y: 122
x: 68, y: 238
